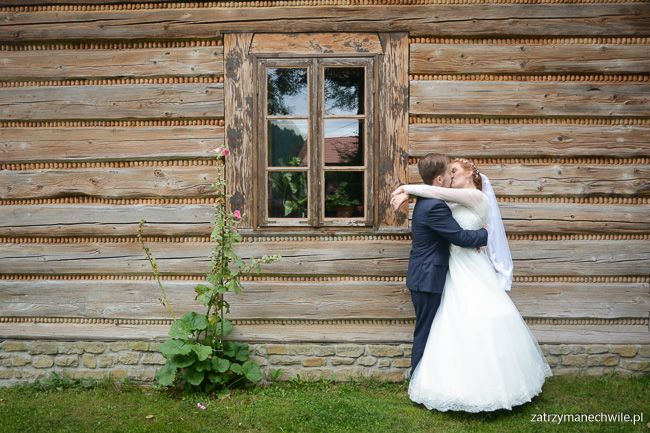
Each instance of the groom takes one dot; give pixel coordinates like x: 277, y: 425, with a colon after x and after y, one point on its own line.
x: 432, y: 229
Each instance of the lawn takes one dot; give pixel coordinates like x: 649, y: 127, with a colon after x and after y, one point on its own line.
x: 366, y: 406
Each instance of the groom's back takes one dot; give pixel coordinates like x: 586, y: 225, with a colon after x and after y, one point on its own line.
x: 429, y: 258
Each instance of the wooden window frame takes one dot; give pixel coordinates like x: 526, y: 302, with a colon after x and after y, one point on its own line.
x: 316, y: 119
x: 391, y: 81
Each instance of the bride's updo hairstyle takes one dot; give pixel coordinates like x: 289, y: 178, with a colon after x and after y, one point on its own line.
x: 476, y: 175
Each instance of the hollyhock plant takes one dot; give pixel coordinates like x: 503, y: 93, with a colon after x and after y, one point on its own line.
x: 198, y: 354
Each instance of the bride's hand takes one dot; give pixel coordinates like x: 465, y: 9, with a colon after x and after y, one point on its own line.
x: 397, y: 200
x: 398, y: 191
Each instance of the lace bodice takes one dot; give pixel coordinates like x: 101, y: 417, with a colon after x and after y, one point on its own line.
x: 469, y: 218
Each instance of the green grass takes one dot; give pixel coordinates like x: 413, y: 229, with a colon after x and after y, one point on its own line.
x: 366, y: 406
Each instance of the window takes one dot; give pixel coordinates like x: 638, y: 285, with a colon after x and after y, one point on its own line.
x: 315, y: 141
x: 325, y: 143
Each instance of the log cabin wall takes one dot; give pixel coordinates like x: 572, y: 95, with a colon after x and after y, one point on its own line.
x: 108, y: 113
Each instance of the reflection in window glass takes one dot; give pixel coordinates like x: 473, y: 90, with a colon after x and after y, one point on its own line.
x: 288, y: 194
x: 287, y: 91
x: 344, y: 91
x: 344, y: 197
x: 288, y: 143
x: 344, y: 142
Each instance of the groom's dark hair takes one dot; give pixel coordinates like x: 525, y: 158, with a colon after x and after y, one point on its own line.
x: 432, y: 166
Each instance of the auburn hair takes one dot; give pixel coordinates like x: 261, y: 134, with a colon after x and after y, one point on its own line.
x: 476, y: 174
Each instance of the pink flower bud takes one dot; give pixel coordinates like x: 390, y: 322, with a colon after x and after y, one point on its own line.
x: 200, y: 406
x: 225, y: 152
x: 237, y: 214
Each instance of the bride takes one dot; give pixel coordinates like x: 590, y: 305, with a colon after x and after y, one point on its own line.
x: 480, y: 354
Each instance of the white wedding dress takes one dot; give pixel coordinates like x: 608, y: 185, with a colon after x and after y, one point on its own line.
x: 480, y: 354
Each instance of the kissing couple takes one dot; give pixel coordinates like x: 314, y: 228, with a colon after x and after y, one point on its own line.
x: 472, y: 350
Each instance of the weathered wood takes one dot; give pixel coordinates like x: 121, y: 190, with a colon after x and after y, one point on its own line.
x: 260, y: 299
x: 530, y: 217
x: 302, y: 300
x: 574, y: 218
x: 106, y: 220
x: 622, y: 334
x: 240, y: 93
x: 443, y: 20
x: 123, y: 101
x: 108, y: 63
x: 197, y: 220
x: 529, y: 98
x: 594, y: 300
x: 392, y: 119
x: 161, y: 181
x: 310, y: 44
x: 108, y: 143
x: 353, y: 258
x: 562, y: 179
x: 549, y: 58
x: 529, y: 140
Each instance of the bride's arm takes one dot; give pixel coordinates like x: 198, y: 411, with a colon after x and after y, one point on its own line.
x: 468, y: 197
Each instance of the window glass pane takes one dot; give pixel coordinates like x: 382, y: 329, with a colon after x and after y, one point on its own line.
x: 344, y: 142
x: 287, y: 91
x: 344, y: 91
x: 288, y: 143
x: 288, y: 194
x: 344, y: 194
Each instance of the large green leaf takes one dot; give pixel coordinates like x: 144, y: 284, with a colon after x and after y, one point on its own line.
x: 175, y: 347
x: 252, y: 371
x: 202, y: 352
x: 236, y: 368
x: 180, y: 329
x: 193, y: 377
x: 221, y: 365
x: 166, y: 375
x: 229, y: 348
x: 182, y: 361
x: 242, y: 353
x: 217, y: 377
x: 195, y: 321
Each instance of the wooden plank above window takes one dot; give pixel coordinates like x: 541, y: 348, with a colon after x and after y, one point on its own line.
x: 314, y: 44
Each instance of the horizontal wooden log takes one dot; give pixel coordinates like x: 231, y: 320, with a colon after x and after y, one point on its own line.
x: 108, y: 63
x: 529, y: 140
x: 123, y: 101
x: 443, y: 20
x: 130, y: 182
x: 306, y: 44
x: 529, y: 59
x: 303, y: 300
x: 529, y: 98
x: 108, y: 143
x: 562, y: 179
x: 623, y: 334
x: 197, y: 220
x: 525, y: 217
x: 260, y: 299
x: 102, y: 220
x: 353, y: 258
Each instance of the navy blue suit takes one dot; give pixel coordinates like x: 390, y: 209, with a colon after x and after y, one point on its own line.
x: 432, y: 229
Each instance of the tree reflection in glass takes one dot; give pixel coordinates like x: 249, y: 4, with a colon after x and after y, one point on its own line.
x: 287, y: 92
x: 344, y: 91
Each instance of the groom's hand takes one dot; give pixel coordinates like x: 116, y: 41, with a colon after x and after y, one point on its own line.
x: 397, y: 200
x: 398, y: 191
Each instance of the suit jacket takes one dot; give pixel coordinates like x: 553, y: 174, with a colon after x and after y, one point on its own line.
x: 432, y: 229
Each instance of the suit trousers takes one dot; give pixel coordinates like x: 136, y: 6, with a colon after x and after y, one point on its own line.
x: 426, y: 305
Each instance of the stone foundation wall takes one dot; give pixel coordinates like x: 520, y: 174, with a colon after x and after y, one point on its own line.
x: 25, y: 361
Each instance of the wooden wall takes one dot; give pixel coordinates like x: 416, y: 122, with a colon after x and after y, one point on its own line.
x: 108, y: 113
